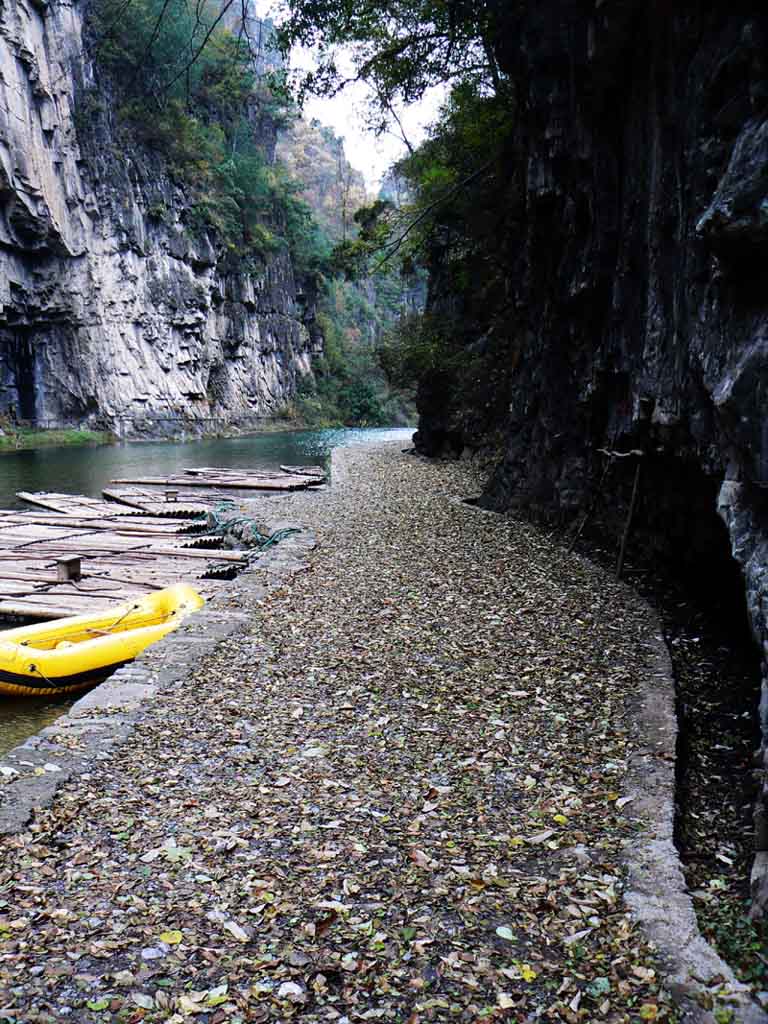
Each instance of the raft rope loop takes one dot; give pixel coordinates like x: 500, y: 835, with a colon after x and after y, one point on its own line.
x: 118, y: 620
x: 35, y: 668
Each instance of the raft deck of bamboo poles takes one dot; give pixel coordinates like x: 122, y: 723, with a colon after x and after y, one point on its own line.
x: 135, y: 540
x: 170, y: 504
x: 229, y: 479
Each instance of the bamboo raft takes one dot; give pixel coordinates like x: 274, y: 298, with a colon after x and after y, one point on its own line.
x: 231, y: 479
x: 122, y: 552
x: 175, y: 504
x: 138, y: 538
x: 72, y: 504
x: 314, y: 471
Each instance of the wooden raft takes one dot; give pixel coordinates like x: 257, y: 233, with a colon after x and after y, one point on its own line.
x: 72, y: 504
x: 229, y: 479
x: 123, y: 554
x: 175, y: 504
x: 138, y: 540
x: 314, y: 471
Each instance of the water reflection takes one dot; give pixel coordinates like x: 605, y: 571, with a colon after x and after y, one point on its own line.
x: 21, y: 717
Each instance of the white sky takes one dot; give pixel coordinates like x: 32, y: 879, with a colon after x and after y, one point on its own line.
x: 367, y: 153
x: 344, y: 114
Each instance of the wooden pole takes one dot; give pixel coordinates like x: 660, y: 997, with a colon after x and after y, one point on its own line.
x: 592, y: 505
x: 628, y: 524
x: 68, y: 568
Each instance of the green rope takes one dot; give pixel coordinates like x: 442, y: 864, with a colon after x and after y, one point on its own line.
x: 225, y: 517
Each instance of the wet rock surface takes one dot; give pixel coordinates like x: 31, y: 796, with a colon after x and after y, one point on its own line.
x: 400, y: 792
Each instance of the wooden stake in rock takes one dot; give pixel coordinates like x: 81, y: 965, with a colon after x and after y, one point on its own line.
x: 628, y: 524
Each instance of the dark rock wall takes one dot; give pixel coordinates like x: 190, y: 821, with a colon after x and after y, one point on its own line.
x: 113, y: 308
x: 640, y: 280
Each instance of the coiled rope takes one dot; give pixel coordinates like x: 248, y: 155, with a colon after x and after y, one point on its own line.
x: 223, y: 520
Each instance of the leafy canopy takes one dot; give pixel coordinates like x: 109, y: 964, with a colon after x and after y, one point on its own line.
x: 399, y: 47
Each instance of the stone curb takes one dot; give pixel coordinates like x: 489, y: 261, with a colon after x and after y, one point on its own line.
x: 104, y: 717
x: 656, y: 893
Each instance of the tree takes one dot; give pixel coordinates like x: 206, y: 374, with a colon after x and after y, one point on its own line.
x: 399, y: 47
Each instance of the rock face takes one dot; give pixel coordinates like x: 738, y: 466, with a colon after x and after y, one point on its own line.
x: 111, y: 310
x: 639, y: 280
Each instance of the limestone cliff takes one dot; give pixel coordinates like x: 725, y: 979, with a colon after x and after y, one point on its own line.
x: 637, y: 284
x: 333, y: 189
x: 112, y: 310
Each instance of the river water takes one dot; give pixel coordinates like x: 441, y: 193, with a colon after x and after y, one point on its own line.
x: 88, y: 470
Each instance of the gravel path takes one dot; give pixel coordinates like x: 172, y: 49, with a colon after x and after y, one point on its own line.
x: 398, y: 797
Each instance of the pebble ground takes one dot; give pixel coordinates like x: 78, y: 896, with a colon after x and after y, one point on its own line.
x: 397, y: 796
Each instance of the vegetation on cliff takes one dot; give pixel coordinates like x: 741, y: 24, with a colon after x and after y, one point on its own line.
x: 461, y: 345
x: 349, y: 385
x: 189, y: 88
x: 193, y: 87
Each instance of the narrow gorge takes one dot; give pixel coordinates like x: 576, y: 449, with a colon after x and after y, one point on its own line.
x: 565, y: 274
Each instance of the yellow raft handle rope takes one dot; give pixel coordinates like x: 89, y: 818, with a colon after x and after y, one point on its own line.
x: 118, y: 620
x: 34, y: 668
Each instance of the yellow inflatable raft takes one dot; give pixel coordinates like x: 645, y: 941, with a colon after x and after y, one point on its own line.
x: 71, y: 654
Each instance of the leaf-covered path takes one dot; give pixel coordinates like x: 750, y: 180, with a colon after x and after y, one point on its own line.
x: 398, y: 797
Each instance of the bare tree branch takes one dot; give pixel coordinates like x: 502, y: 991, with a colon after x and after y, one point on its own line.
x: 399, y: 123
x: 152, y: 38
x: 391, y: 248
x: 211, y: 29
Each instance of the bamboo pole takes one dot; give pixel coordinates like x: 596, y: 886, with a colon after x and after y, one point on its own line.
x: 628, y: 523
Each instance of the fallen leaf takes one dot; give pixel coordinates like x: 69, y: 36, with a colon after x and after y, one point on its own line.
x: 419, y: 858
x: 292, y: 992
x: 234, y: 929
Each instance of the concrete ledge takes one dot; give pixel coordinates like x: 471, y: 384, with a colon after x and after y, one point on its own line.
x: 31, y: 773
x: 701, y: 982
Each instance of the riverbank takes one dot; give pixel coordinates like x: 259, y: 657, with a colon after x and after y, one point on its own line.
x: 20, y: 438
x: 405, y: 788
x: 14, y: 439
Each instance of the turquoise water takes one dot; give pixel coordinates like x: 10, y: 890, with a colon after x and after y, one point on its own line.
x: 88, y: 470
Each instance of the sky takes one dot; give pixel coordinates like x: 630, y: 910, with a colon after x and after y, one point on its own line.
x: 368, y: 154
